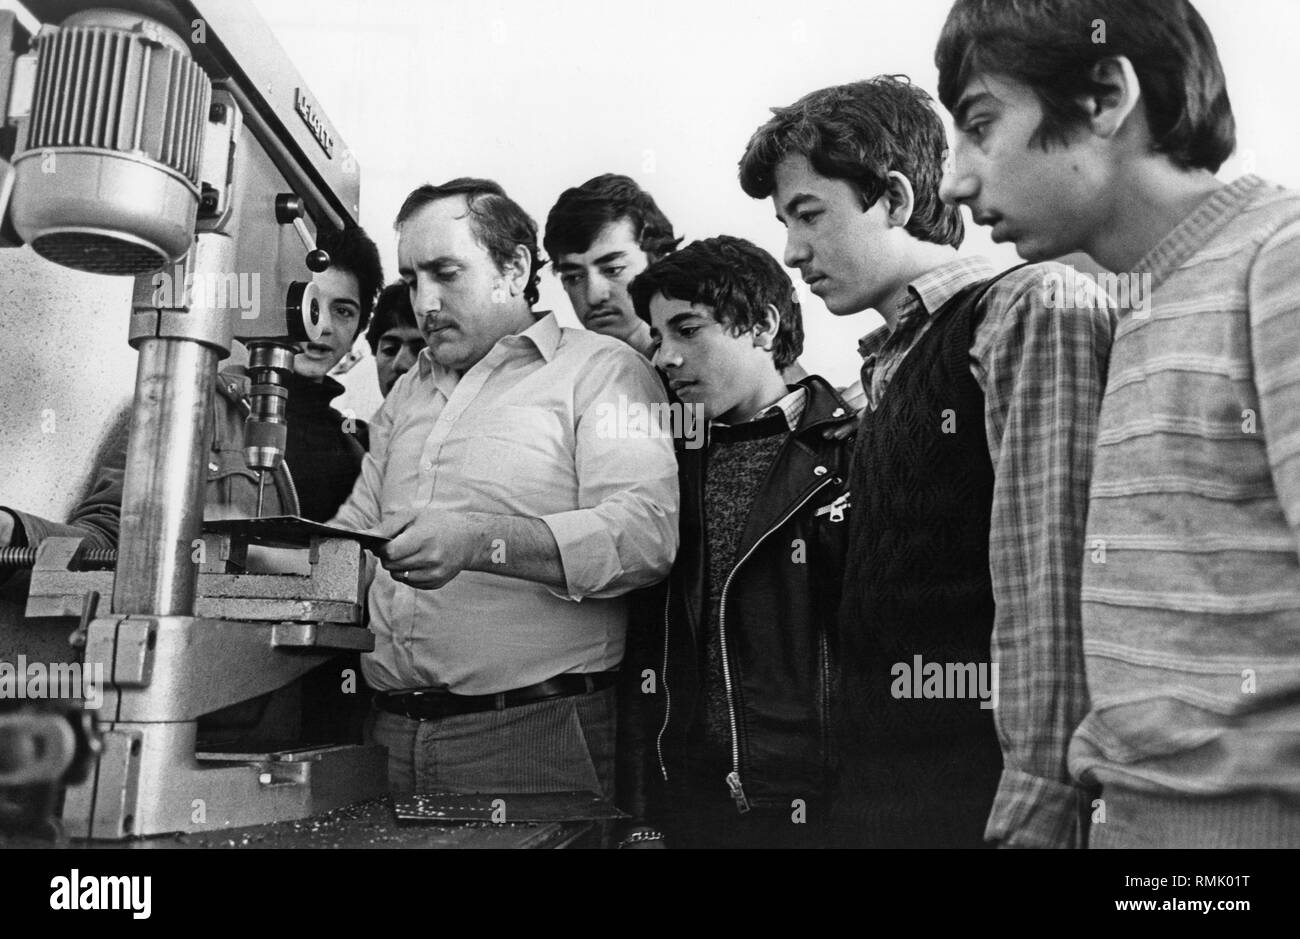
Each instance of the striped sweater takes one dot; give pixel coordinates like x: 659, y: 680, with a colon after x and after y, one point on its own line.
x: 1191, y: 586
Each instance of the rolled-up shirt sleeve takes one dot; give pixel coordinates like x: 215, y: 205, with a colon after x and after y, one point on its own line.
x: 623, y: 536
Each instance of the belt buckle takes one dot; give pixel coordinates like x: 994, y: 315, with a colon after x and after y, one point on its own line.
x: 406, y: 702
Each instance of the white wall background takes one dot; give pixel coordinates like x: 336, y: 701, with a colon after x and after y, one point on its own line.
x: 542, y: 96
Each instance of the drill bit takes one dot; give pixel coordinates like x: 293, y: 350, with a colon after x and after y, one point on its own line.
x: 261, y: 486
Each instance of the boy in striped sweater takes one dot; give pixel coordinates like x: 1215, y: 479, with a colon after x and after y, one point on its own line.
x: 1098, y: 125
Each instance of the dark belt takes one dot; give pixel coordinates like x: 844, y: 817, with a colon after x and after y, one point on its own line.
x: 433, y: 704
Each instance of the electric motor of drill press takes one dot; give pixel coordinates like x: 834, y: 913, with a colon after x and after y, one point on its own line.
x: 175, y: 143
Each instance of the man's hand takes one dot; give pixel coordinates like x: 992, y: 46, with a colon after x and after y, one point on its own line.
x: 427, y: 552
x: 6, y: 528
x: 430, y: 548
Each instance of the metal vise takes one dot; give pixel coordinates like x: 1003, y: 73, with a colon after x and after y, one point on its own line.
x: 253, y: 633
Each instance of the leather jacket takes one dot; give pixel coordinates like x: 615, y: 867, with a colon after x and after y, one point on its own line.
x: 778, y: 608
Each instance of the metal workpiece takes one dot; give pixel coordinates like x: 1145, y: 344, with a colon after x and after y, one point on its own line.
x: 162, y: 499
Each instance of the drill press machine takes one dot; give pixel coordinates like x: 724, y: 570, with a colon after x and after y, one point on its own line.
x: 174, y: 142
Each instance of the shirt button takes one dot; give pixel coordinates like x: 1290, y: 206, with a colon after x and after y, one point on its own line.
x: 428, y: 465
x: 820, y: 471
x: 838, y: 412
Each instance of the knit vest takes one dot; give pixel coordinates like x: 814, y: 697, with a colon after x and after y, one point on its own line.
x: 918, y: 769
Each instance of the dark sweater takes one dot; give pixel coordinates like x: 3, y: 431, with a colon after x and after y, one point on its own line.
x: 740, y: 457
x: 323, y: 463
x: 918, y: 771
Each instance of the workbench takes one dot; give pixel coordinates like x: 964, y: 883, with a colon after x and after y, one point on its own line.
x: 370, y: 824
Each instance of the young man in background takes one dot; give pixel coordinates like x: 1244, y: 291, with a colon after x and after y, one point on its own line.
x: 981, y: 412
x: 1191, y: 584
x: 599, y: 236
x: 743, y: 646
x: 394, y: 337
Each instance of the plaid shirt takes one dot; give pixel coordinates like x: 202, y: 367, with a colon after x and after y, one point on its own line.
x: 1043, y: 372
x: 791, y: 405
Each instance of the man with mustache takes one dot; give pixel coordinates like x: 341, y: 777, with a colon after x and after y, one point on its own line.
x: 519, y: 522
x: 599, y: 236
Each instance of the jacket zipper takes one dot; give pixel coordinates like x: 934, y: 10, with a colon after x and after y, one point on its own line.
x: 826, y: 702
x: 663, y: 680
x: 734, y: 784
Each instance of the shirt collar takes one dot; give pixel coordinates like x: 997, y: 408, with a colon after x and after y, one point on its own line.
x: 544, y: 335
x: 791, y: 406
x: 927, y: 294
x: 936, y: 287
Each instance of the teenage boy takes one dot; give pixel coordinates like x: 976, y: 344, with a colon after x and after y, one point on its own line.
x: 969, y: 484
x: 1191, y: 583
x: 735, y: 738
x: 394, y: 337
x: 601, y: 235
